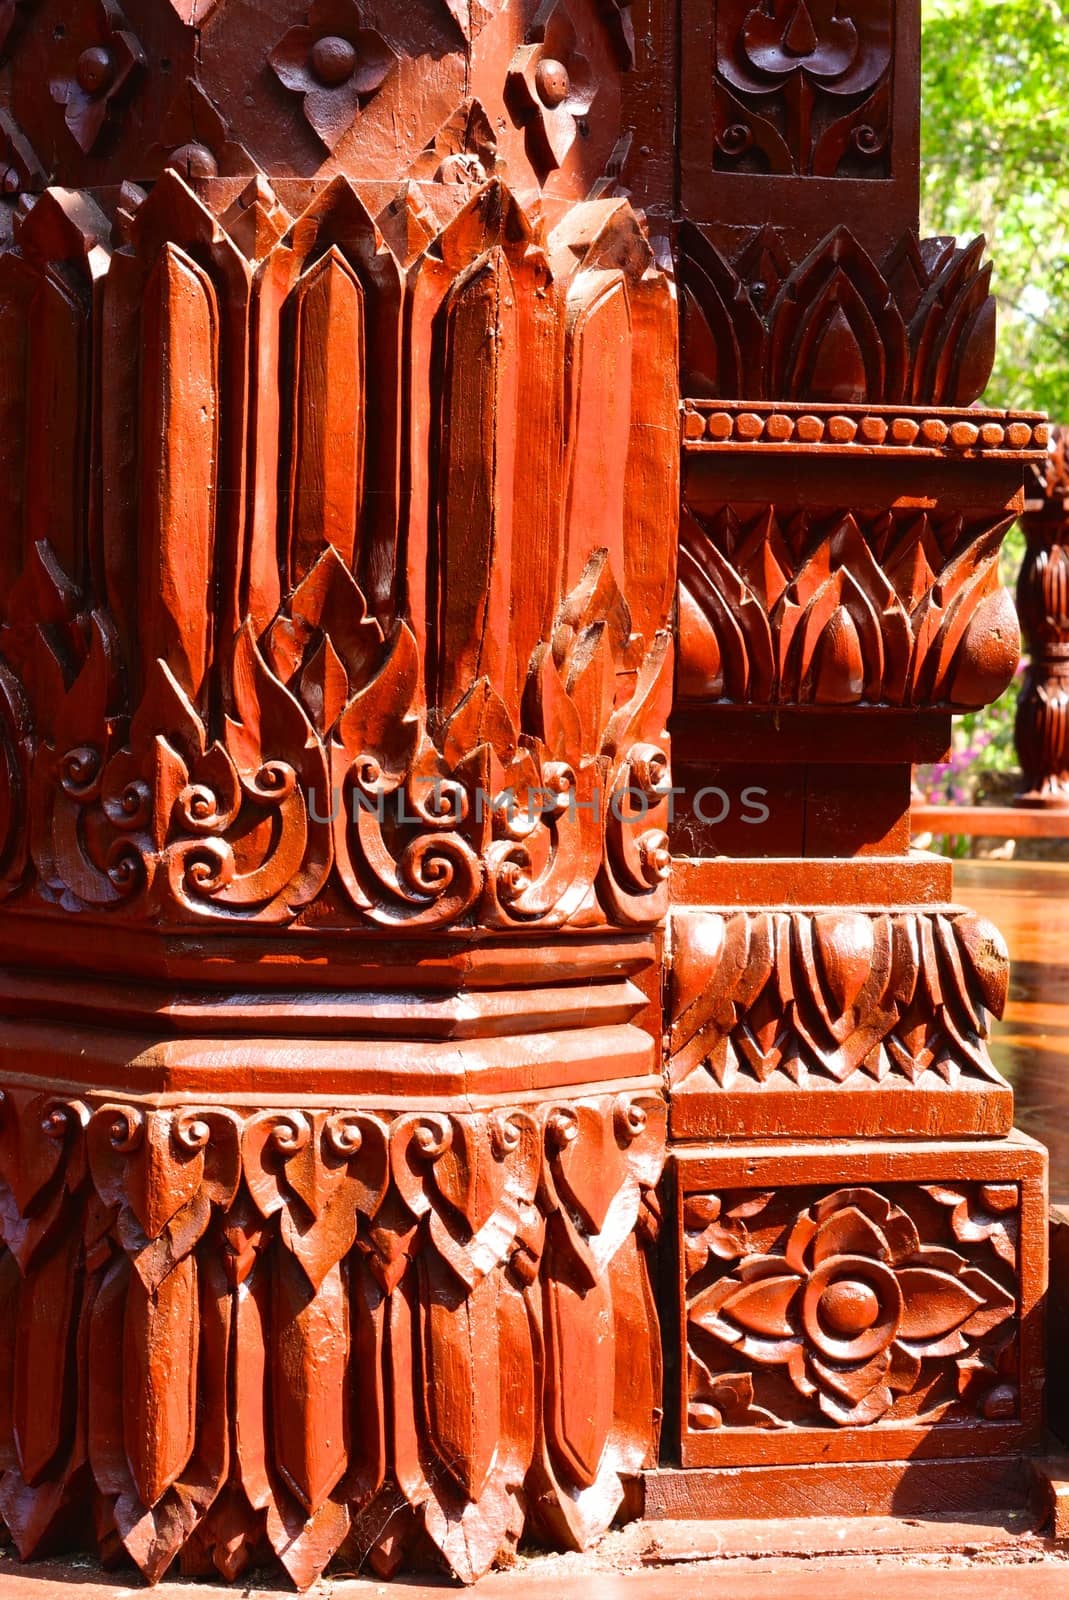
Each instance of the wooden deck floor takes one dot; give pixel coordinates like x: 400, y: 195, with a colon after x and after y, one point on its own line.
x: 1029, y: 901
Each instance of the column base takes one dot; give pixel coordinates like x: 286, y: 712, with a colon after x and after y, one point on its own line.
x: 860, y: 1302
x: 375, y: 1294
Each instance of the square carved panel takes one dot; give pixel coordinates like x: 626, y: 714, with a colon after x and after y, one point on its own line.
x: 862, y: 1303
x: 781, y: 93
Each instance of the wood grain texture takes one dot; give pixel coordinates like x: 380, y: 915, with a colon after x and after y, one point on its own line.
x: 413, y: 419
x: 1042, y: 728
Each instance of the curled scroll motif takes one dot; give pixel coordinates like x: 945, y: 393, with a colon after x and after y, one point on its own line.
x: 231, y: 703
x: 919, y: 328
x: 837, y: 996
x: 169, y: 820
x: 803, y: 86
x: 490, y: 815
x: 809, y: 609
x: 287, y: 1313
x: 325, y: 762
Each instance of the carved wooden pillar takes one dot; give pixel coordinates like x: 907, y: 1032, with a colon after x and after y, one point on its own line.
x: 339, y: 429
x: 860, y: 1233
x: 341, y: 858
x: 1042, y: 729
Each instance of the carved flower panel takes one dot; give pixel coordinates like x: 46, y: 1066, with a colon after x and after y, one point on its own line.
x: 864, y: 1305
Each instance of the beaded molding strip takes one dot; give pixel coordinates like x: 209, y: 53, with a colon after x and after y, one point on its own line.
x: 903, y: 428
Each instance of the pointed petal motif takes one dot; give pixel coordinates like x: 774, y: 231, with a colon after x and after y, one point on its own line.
x: 934, y: 1304
x: 849, y: 1233
x: 852, y: 1385
x: 763, y: 1307
x: 875, y: 1404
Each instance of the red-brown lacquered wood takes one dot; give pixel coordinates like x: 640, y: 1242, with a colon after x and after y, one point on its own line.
x: 827, y: 1003
x: 861, y: 1284
x: 1042, y: 730
x: 339, y: 426
x: 412, y: 419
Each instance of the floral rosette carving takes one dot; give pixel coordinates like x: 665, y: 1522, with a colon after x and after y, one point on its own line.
x: 551, y: 85
x: 336, y: 62
x: 110, y: 56
x: 854, y: 1309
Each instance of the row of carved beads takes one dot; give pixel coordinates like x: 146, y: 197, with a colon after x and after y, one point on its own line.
x: 775, y: 427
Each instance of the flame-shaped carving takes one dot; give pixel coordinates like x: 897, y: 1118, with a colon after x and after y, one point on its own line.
x: 809, y: 610
x: 836, y: 327
x: 246, y: 1289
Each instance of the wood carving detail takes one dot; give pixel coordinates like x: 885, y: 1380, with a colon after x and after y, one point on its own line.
x: 919, y: 328
x: 349, y: 985
x: 836, y: 609
x: 298, y: 737
x: 228, y: 1333
x: 803, y: 87
x: 108, y: 59
x: 550, y: 85
x: 310, y: 91
x: 841, y: 996
x: 20, y: 169
x: 1042, y: 728
x: 336, y: 62
x: 853, y: 1307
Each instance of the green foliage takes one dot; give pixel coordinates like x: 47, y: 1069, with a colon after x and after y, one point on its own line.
x: 995, y: 144
x: 995, y: 147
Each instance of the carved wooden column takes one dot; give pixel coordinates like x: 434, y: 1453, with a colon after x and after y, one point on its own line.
x: 860, y: 1233
x: 339, y: 436
x: 341, y: 859
x: 1042, y: 729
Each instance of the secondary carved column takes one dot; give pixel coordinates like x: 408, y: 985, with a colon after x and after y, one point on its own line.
x: 861, y: 1236
x: 1042, y: 730
x: 339, y: 430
